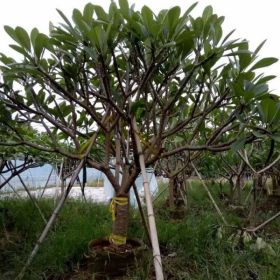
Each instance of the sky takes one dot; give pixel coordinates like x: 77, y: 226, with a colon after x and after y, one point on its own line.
x: 255, y: 20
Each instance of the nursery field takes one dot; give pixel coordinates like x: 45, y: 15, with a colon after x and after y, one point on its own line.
x: 120, y: 96
x: 197, y: 246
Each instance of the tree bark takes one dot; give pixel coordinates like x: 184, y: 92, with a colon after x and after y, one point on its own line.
x: 275, y: 184
x: 120, y: 215
x: 238, y: 189
x: 171, y: 193
x: 231, y: 192
x: 257, y: 187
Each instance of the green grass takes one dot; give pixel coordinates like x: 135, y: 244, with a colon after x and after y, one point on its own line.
x: 95, y: 183
x: 76, y: 225
x: 200, y: 252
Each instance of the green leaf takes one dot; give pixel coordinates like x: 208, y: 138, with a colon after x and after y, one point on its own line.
x: 198, y: 26
x: 173, y: 16
x: 111, y: 33
x: 259, y: 134
x: 238, y: 144
x: 275, y: 137
x: 227, y: 36
x: 124, y: 7
x: 185, y: 42
x: 259, y: 89
x: 88, y: 12
x: 65, y: 18
x: 29, y: 97
x: 269, y: 109
x: 33, y: 35
x: 138, y: 108
x: 208, y: 11
x: 11, y: 32
x: 264, y: 62
x: 113, y: 9
x: 92, y: 51
x: 5, y: 59
x: 20, y: 50
x: 65, y: 109
x: 218, y: 34
x: 101, y: 14
x: 239, y: 53
x: 5, y: 115
x: 81, y: 24
x: 23, y: 38
x: 41, y: 97
x: 147, y: 16
x: 189, y: 10
x: 246, y: 76
x: 41, y: 42
x: 244, y: 55
x: 98, y: 37
x: 266, y: 79
x: 259, y: 48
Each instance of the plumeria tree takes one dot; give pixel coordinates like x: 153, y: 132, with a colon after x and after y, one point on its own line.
x: 108, y: 83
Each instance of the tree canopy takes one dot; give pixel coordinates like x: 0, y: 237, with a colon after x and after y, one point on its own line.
x: 177, y: 76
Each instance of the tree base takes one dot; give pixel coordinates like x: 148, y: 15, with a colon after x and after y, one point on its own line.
x: 178, y: 213
x: 271, y: 203
x: 106, y: 259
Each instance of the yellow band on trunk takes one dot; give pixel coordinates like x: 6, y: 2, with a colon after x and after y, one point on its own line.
x: 117, y: 239
x: 117, y: 201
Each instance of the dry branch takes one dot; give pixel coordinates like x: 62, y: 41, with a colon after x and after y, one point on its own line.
x: 264, y: 223
x: 51, y: 221
x: 210, y: 195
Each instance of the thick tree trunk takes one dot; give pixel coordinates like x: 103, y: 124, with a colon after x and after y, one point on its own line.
x: 171, y: 186
x: 259, y: 183
x: 252, y: 214
x: 276, y: 185
x: 177, y: 199
x: 238, y: 189
x: 120, y: 215
x: 231, y: 189
x: 257, y: 188
x: 184, y: 192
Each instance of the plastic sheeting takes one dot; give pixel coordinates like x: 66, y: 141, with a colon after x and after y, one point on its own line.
x: 36, y: 178
x: 110, y: 192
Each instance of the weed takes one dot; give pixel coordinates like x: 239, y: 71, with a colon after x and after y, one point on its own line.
x: 195, y: 247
